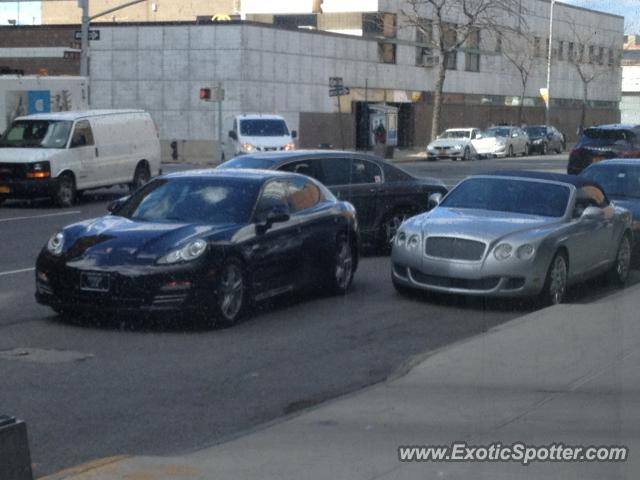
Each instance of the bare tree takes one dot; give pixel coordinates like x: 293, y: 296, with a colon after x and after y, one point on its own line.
x: 518, y: 48
x: 447, y: 25
x: 592, y: 58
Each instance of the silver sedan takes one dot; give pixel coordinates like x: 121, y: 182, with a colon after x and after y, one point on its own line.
x: 514, y: 234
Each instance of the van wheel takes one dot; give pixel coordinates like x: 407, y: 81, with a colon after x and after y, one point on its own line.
x: 65, y: 192
x: 140, y: 178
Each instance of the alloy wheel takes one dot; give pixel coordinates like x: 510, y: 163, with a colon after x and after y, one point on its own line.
x: 231, y: 294
x: 623, y: 261
x: 467, y: 154
x: 344, y: 265
x: 558, y: 276
x: 391, y: 226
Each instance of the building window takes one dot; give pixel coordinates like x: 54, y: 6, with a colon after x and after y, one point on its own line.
x: 387, y: 52
x: 592, y: 54
x: 601, y: 56
x: 293, y: 22
x: 498, y: 48
x: 561, y: 50
x: 570, y: 52
x: 472, y: 56
x: 450, y: 42
x: 536, y: 47
x: 611, y: 60
x: 379, y: 24
x: 424, y: 38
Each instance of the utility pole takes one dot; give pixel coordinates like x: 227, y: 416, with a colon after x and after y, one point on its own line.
x: 220, y: 100
x: 548, y: 105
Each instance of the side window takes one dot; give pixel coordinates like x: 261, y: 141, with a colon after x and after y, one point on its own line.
x: 336, y: 171
x: 310, y: 168
x: 364, y: 171
x: 274, y: 195
x: 82, y: 135
x: 303, y: 194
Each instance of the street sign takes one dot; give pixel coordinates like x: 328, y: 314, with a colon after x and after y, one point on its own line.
x: 339, y: 92
x: 335, y: 82
x: 93, y: 35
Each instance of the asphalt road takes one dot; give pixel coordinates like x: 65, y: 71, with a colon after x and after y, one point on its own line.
x: 91, y: 391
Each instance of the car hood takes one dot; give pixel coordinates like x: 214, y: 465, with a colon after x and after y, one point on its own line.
x: 114, y: 240
x: 448, y: 142
x: 26, y: 155
x: 631, y: 204
x: 482, y: 225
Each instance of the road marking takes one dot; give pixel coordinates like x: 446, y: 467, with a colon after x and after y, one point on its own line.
x: 13, y: 272
x: 73, y: 212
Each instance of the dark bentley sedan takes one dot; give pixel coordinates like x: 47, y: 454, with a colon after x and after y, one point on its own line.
x: 543, y: 139
x: 382, y: 194
x: 210, y: 241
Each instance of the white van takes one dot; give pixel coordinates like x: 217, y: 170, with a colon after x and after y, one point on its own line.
x: 60, y: 154
x: 260, y: 133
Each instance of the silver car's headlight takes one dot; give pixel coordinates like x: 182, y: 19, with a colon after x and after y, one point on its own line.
x: 503, y: 251
x: 414, y: 241
x: 537, y: 141
x: 192, y: 250
x: 56, y: 244
x: 525, y: 252
x: 401, y: 239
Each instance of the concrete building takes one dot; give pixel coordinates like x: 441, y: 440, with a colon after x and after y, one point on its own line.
x: 284, y: 64
x: 630, y: 101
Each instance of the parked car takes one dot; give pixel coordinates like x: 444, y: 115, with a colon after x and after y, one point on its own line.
x: 503, y: 141
x: 210, y: 241
x: 605, y: 141
x: 58, y: 155
x: 383, y: 194
x: 510, y: 234
x: 260, y: 133
x: 454, y: 143
x: 620, y: 180
x: 543, y: 139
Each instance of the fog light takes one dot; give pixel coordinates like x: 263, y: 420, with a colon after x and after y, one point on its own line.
x: 176, y: 285
x: 43, y: 277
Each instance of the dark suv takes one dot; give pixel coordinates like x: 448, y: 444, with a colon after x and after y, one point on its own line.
x: 602, y: 142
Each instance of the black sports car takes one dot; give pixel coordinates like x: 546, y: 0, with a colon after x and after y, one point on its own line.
x: 383, y: 194
x: 208, y: 241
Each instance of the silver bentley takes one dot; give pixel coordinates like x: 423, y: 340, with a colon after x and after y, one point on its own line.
x: 510, y: 234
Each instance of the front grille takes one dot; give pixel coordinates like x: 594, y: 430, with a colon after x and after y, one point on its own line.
x: 269, y: 149
x: 11, y: 171
x: 482, y: 284
x: 455, y: 248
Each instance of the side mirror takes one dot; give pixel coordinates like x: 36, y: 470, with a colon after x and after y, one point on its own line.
x: 592, y: 213
x: 277, y: 214
x: 233, y: 135
x: 294, y: 134
x: 434, y: 200
x: 117, y: 204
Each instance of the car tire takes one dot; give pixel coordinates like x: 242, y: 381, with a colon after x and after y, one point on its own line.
x: 232, y: 294
x: 544, y: 149
x: 619, y: 272
x: 389, y: 227
x: 510, y: 154
x: 140, y: 177
x: 527, y: 150
x: 341, y: 268
x: 466, y: 156
x: 65, y: 191
x: 555, y: 285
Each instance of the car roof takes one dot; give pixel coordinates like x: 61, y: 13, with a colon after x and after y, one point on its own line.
x: 466, y: 129
x: 258, y: 116
x: 75, y: 115
x: 574, y: 180
x: 617, y: 162
x: 615, y: 126
x: 235, y: 174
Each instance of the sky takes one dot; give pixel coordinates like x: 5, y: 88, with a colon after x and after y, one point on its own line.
x: 630, y: 9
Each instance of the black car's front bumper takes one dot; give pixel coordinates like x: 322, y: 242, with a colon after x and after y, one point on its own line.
x: 130, y: 289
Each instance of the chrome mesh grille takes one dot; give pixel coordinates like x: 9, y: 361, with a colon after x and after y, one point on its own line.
x: 455, y: 248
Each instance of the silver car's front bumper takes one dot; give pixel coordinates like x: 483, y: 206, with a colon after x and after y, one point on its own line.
x: 487, y: 277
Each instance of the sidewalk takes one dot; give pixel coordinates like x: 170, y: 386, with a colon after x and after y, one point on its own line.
x: 565, y: 374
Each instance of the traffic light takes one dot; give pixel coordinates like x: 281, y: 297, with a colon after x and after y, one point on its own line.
x: 205, y: 94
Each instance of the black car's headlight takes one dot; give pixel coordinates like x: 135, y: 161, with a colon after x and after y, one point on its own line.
x: 56, y: 244
x: 191, y: 251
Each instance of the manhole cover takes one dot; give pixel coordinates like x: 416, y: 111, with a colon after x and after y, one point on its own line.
x: 39, y: 355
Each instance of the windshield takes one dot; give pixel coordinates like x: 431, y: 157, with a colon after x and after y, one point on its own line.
x: 247, y: 161
x: 496, y: 132
x: 511, y: 196
x: 616, y: 180
x: 456, y: 134
x: 37, y: 134
x: 263, y: 128
x: 602, y: 137
x: 536, y: 131
x: 203, y: 201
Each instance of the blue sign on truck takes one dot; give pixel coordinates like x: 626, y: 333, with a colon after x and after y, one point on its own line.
x: 39, y: 101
